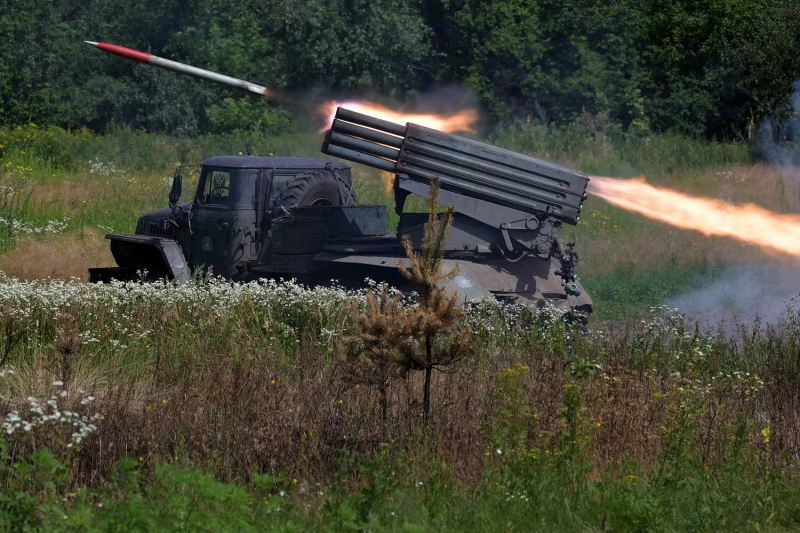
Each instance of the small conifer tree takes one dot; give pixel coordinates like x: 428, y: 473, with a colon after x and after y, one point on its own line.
x: 394, y: 335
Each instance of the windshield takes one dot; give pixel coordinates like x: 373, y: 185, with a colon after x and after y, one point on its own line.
x: 215, y: 187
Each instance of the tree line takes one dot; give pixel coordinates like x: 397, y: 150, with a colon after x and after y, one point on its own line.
x: 708, y: 68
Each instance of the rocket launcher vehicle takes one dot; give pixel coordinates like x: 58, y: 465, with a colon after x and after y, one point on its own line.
x: 503, y: 238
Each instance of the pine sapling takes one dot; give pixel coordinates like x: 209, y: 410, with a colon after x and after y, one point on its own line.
x: 394, y: 335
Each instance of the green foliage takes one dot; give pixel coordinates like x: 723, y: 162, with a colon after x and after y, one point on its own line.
x: 49, y: 76
x: 393, y: 498
x: 629, y: 289
x: 508, y: 434
x: 693, y: 67
x: 243, y: 115
x: 708, y: 69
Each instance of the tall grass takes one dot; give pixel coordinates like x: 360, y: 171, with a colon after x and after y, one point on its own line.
x: 270, y: 354
x: 647, y: 426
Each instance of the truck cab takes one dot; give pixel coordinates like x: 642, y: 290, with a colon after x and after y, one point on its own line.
x: 227, y: 226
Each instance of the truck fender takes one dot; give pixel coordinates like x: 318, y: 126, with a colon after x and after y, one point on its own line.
x: 133, y: 253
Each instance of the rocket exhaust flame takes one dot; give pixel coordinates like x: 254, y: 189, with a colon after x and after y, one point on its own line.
x: 465, y: 120
x: 387, y: 179
x: 747, y: 223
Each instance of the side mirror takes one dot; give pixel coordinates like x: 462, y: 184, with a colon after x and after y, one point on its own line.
x: 175, y: 192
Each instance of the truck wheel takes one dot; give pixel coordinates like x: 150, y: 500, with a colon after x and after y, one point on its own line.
x: 315, y: 189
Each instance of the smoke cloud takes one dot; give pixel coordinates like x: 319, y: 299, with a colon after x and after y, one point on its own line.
x: 447, y: 99
x: 743, y: 292
x: 779, y: 140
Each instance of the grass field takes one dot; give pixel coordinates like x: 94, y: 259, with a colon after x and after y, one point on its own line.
x: 216, y: 407
x: 645, y: 427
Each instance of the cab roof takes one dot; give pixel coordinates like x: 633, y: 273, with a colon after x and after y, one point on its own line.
x: 250, y: 161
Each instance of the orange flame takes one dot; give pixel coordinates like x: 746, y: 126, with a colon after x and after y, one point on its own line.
x: 748, y: 223
x: 464, y: 120
x: 387, y: 178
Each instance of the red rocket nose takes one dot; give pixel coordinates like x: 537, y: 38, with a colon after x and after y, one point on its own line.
x: 122, y: 51
x: 180, y: 67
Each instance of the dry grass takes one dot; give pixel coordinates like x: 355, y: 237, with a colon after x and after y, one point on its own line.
x: 245, y: 410
x: 240, y: 381
x: 57, y: 256
x: 71, y: 195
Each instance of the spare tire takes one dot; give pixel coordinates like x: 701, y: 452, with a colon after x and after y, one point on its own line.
x: 316, y: 189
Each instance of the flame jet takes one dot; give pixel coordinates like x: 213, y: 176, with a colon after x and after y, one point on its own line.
x: 183, y: 68
x: 712, y: 217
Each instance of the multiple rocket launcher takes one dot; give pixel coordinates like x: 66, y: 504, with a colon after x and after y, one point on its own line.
x: 517, y: 184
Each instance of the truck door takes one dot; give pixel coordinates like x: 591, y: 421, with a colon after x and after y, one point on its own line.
x: 211, y: 222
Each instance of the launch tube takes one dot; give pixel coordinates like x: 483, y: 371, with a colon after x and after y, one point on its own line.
x: 363, y: 146
x: 488, y: 179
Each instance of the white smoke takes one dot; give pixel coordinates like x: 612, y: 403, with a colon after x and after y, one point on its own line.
x: 779, y: 140
x: 743, y: 293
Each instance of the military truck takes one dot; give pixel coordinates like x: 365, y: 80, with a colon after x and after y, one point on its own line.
x: 291, y: 217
